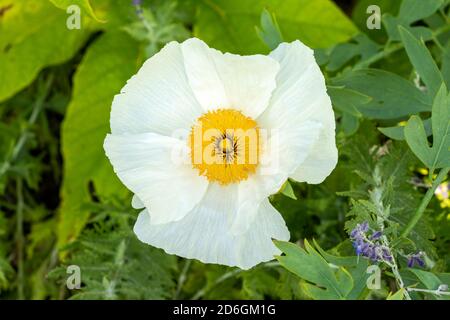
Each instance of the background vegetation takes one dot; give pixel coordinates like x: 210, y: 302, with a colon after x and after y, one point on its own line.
x: 61, y: 203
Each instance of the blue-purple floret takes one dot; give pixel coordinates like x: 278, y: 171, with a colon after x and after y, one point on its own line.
x: 416, y: 259
x: 368, y: 245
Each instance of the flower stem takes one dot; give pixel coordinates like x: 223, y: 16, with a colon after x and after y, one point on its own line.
x: 426, y: 199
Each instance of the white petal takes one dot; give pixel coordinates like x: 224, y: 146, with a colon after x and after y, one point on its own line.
x: 320, y: 162
x: 301, y: 96
x: 204, y: 233
x: 158, y: 98
x: 220, y: 80
x: 148, y: 165
x: 285, y: 150
x: 136, y: 203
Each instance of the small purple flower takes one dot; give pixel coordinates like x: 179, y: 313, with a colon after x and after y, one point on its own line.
x: 369, y: 246
x: 416, y: 259
x: 137, y: 2
x: 376, y: 235
x: 364, y: 227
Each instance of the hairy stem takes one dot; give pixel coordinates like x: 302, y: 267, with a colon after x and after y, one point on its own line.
x: 426, y: 199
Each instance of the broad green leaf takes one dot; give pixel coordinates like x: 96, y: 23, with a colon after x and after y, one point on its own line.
x: 229, y: 25
x: 399, y: 295
x: 446, y: 65
x: 437, y: 156
x: 422, y: 60
x: 84, y: 5
x: 392, y: 96
x: 360, y: 16
x: 346, y: 100
x: 309, y: 265
x: 415, y: 10
x: 430, y: 280
x: 33, y: 35
x: 361, y: 46
x: 107, y: 65
x: 398, y: 132
x: 411, y: 11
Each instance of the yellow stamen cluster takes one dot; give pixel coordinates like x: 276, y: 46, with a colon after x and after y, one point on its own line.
x: 225, y: 146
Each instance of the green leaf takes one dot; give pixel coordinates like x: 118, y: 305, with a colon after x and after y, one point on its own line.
x: 422, y: 61
x: 361, y: 46
x: 346, y: 100
x: 437, y: 156
x: 398, y: 132
x: 84, y: 5
x: 446, y: 65
x: 287, y: 190
x: 107, y: 65
x: 392, y: 96
x: 411, y: 11
x: 33, y: 36
x: 430, y: 280
x: 270, y: 32
x: 229, y: 25
x: 399, y: 295
x: 311, y: 266
x: 415, y: 10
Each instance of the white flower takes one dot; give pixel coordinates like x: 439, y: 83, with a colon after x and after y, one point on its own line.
x: 219, y: 212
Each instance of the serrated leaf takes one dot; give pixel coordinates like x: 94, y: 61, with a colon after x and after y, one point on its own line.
x: 311, y: 266
x: 422, y: 60
x: 398, y: 132
x: 437, y: 156
x: 107, y: 65
x: 229, y: 25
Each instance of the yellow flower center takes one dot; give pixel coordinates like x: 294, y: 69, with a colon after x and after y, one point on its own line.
x: 225, y: 146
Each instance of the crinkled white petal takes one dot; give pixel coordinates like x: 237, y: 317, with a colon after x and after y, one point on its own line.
x: 158, y: 98
x: 243, y: 83
x: 301, y: 96
x: 204, y: 233
x: 154, y: 168
x: 285, y: 149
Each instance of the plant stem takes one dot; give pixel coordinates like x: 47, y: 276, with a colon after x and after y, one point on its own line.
x: 20, y: 240
x: 435, y: 292
x: 182, y: 278
x: 426, y: 199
